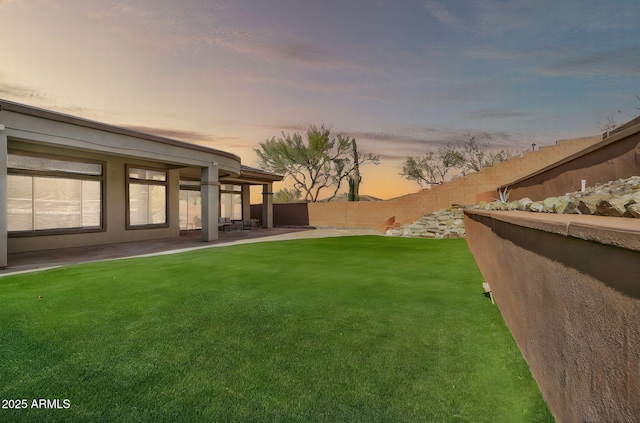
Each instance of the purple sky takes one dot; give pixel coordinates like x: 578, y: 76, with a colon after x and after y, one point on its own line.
x: 401, y: 77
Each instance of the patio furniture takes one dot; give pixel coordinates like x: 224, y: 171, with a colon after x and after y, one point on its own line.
x: 249, y: 224
x: 225, y: 224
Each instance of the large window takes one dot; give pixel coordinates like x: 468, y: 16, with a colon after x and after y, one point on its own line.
x: 190, y: 205
x: 147, y: 197
x: 231, y: 201
x: 46, y: 193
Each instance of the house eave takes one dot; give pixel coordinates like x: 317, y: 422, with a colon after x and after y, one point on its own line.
x: 87, y: 123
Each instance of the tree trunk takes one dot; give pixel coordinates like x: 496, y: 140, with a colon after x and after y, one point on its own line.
x: 355, y: 178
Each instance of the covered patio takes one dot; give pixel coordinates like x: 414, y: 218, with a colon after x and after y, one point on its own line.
x: 189, y: 240
x: 70, y: 182
x: 38, y: 260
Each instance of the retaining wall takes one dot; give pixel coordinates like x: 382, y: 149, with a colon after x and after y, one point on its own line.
x: 472, y: 189
x: 613, y: 158
x: 568, y: 288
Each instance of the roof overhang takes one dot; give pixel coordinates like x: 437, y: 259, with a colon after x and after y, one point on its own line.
x: 39, y: 126
x: 253, y: 176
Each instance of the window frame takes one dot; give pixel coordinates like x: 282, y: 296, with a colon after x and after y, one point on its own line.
x: 232, y: 192
x: 62, y: 175
x: 195, y: 187
x: 129, y: 180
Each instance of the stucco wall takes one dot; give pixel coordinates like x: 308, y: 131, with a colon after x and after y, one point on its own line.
x: 572, y: 302
x: 471, y: 189
x: 3, y: 199
x: 611, y: 159
x: 292, y: 214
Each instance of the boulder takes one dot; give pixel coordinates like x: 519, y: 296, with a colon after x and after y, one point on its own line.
x: 572, y: 208
x: 605, y: 208
x: 523, y: 203
x: 632, y: 196
x: 592, y: 200
x: 584, y: 209
x: 633, y: 210
x: 556, y: 204
x: 537, y: 206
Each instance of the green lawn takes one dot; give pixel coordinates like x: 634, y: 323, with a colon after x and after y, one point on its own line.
x: 354, y: 329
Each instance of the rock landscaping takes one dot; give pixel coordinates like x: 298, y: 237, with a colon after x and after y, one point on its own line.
x: 619, y: 198
x: 444, y: 223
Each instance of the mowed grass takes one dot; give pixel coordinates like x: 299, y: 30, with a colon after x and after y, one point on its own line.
x: 354, y: 329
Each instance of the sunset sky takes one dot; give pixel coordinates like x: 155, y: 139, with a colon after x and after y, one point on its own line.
x: 402, y: 77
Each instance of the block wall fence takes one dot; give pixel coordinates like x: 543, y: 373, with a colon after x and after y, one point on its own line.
x: 471, y: 189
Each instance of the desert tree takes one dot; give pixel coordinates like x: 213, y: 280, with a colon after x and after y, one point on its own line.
x: 466, y: 157
x: 324, y: 162
x: 476, y: 157
x: 286, y: 195
x: 432, y: 169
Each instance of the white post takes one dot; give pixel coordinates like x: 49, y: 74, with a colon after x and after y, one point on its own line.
x: 210, y: 192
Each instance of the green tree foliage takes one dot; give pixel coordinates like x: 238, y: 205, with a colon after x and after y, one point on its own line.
x: 287, y: 196
x: 323, y: 162
x: 431, y: 169
x: 476, y: 157
x: 467, y: 157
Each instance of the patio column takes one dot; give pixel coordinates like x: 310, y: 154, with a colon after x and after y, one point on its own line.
x: 210, y: 196
x: 246, y: 201
x: 267, y: 205
x: 3, y: 200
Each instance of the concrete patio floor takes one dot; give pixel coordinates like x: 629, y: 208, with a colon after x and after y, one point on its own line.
x: 41, y: 260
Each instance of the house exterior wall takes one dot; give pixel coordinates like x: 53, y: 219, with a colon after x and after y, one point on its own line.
x: 3, y: 199
x: 114, y: 205
x: 46, y: 133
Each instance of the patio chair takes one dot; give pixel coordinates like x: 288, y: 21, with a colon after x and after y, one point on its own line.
x: 224, y: 223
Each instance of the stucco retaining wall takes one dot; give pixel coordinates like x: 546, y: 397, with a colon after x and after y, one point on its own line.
x: 568, y: 288
x: 615, y: 157
x: 472, y: 189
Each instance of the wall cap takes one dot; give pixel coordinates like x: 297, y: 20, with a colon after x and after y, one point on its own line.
x: 617, y: 231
